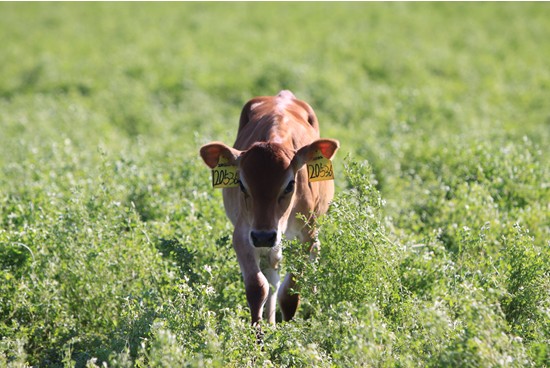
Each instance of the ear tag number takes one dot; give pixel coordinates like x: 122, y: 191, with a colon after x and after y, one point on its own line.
x: 319, y: 168
x: 225, y: 175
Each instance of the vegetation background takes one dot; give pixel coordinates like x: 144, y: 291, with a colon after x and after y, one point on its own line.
x: 115, y: 251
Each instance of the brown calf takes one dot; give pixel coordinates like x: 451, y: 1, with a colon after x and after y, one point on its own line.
x: 277, y: 136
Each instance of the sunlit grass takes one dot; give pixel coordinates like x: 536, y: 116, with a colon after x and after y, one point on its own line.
x: 114, y: 249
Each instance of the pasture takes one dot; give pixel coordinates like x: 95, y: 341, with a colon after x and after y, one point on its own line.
x: 115, y: 250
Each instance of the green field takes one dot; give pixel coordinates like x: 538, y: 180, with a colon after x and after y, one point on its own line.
x: 116, y: 252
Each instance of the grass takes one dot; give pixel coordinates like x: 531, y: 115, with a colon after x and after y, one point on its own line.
x: 115, y: 251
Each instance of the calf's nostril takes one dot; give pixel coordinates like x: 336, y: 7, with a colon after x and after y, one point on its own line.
x: 263, y: 238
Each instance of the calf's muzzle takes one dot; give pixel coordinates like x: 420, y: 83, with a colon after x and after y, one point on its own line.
x: 263, y: 238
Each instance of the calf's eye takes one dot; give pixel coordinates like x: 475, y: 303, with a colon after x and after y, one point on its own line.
x: 290, y: 187
x: 243, y: 189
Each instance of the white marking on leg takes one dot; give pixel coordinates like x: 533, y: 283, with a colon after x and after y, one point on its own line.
x: 272, y: 276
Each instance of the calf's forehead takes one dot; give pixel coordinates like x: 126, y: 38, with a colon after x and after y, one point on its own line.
x: 265, y: 167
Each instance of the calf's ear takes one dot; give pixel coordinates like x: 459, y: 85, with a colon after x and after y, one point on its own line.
x: 211, y: 153
x: 327, y: 147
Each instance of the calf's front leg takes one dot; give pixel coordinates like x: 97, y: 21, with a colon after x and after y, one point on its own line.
x: 288, y: 296
x: 288, y: 300
x: 273, y: 278
x: 255, y: 283
x: 257, y: 291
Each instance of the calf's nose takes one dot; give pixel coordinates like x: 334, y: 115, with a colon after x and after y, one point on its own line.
x: 263, y: 238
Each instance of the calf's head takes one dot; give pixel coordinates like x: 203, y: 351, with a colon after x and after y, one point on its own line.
x: 267, y: 183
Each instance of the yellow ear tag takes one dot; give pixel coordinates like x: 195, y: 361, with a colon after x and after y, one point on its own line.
x: 225, y: 175
x: 319, y: 168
